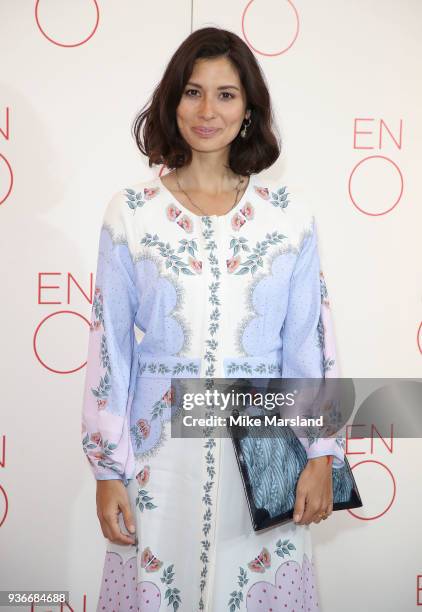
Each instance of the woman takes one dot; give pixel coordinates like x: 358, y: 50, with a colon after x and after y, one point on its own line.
x: 219, y: 269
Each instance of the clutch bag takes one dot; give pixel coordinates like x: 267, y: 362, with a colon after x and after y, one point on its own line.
x: 270, y: 467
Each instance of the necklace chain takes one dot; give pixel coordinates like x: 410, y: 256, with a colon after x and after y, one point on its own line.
x: 196, y: 206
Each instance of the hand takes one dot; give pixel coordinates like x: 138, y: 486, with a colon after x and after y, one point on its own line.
x: 314, y: 492
x: 112, y: 498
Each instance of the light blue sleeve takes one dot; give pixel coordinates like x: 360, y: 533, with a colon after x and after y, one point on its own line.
x: 304, y: 346
x: 111, y: 353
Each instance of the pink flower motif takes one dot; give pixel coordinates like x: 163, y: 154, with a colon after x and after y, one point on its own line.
x: 150, y: 193
x: 263, y: 192
x: 168, y: 396
x: 143, y: 476
x: 185, y: 223
x: 232, y: 263
x: 144, y: 428
x: 172, y: 212
x: 237, y: 221
x: 101, y: 404
x: 247, y: 211
x: 98, y: 454
x: 97, y: 290
x: 96, y: 437
x: 196, y: 265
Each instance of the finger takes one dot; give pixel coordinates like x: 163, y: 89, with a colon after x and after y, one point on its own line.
x: 128, y: 518
x: 105, y: 529
x: 103, y: 524
x: 313, y: 513
x: 299, y: 507
x: 115, y: 534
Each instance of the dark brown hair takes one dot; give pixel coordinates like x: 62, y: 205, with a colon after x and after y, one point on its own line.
x: 155, y: 127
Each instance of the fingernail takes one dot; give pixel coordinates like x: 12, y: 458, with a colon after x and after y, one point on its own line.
x: 296, y: 518
x: 131, y: 529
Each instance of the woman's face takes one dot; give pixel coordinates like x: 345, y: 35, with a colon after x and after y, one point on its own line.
x: 214, y: 98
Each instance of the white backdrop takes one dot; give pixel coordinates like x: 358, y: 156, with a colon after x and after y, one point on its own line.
x: 344, y: 81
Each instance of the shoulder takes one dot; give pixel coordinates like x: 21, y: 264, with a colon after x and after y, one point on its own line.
x: 124, y: 203
x: 285, y: 198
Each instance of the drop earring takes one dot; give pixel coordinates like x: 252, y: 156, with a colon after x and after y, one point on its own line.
x: 245, y: 127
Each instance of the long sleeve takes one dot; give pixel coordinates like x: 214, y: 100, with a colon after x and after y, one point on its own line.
x: 307, y: 336
x: 111, y: 366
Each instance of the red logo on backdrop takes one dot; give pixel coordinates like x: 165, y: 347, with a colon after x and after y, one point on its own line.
x: 60, y: 44
x: 382, y: 129
x: 6, y: 135
x: 296, y: 16
x: 41, y: 300
x: 390, y: 448
x: 2, y: 491
x: 53, y: 314
x: 419, y: 338
x: 373, y: 518
x: 365, y: 160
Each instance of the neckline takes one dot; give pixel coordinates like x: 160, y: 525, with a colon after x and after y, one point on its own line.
x: 190, y: 212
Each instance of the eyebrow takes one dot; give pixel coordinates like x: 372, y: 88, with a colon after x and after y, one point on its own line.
x: 222, y: 86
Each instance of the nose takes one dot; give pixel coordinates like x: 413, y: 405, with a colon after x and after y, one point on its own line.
x: 206, y: 108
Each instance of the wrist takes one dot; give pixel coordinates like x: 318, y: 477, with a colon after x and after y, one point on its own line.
x: 324, y: 460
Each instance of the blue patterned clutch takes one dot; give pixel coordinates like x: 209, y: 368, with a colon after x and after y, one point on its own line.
x: 270, y: 467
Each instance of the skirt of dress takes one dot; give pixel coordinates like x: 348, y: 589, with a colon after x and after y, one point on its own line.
x: 196, y: 548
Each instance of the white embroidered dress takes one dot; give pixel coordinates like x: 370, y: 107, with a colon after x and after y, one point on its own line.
x: 212, y: 296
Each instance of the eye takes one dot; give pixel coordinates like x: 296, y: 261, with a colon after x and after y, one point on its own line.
x: 224, y: 93
x: 229, y: 94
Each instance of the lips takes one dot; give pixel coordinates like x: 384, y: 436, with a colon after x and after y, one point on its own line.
x: 205, y: 131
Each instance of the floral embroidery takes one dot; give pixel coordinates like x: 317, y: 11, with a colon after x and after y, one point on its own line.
x: 172, y: 212
x: 143, y: 500
x: 341, y: 442
x: 279, y: 198
x: 175, y: 262
x: 142, y: 476
x: 140, y: 431
x: 255, y: 259
x: 97, y: 310
x: 284, y: 547
x: 136, y: 199
x: 101, y: 457
x: 323, y: 288
x: 97, y: 321
x: 239, y: 218
x: 248, y: 211
x: 261, y: 562
x: 185, y: 223
x: 237, y: 221
x: 206, y: 519
x: 210, y: 358
x: 183, y: 220
x: 232, y: 263
x: 263, y: 192
x: 327, y: 363
x: 190, y: 246
x: 150, y: 561
x: 172, y: 594
x: 247, y: 368
x: 102, y: 391
x: 213, y: 298
x: 165, y: 370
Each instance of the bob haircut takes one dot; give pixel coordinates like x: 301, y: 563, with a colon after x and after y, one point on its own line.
x: 155, y: 127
